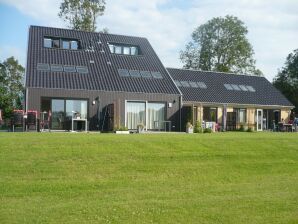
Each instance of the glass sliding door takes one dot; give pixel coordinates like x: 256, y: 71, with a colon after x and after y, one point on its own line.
x: 156, y: 116
x: 58, y: 115
x: 78, y: 107
x: 135, y: 114
x: 63, y: 110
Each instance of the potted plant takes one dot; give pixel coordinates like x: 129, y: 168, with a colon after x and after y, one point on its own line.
x: 189, y: 128
x: 140, y: 127
x: 121, y: 130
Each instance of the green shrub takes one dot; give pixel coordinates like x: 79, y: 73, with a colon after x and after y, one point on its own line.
x: 121, y: 128
x: 207, y: 130
x: 249, y: 129
x: 198, y: 127
x: 241, y: 127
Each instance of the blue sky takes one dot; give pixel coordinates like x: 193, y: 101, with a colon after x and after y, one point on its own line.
x: 168, y: 24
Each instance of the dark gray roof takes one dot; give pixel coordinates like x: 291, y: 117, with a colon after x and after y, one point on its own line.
x: 216, y: 92
x: 103, y: 72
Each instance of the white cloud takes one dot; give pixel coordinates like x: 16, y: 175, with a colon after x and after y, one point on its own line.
x: 168, y: 24
x: 45, y: 11
x: 8, y: 51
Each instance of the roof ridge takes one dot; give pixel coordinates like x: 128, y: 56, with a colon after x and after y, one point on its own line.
x: 59, y: 28
x: 228, y: 73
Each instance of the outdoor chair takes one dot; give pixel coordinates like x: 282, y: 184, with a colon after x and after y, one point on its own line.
x: 281, y: 127
x: 274, y: 127
x: 17, y: 119
x: 31, y: 121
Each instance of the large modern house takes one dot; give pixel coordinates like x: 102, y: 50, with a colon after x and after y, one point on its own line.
x: 108, y: 81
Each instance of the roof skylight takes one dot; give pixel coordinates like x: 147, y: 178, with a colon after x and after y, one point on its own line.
x: 82, y: 69
x: 134, y: 73
x: 185, y: 83
x: 250, y: 88
x: 235, y: 87
x: 123, y: 72
x: 156, y: 75
x: 69, y: 68
x: 193, y: 84
x: 202, y: 85
x: 244, y: 88
x: 43, y: 67
x: 56, y: 68
x: 228, y: 86
x: 146, y: 74
x: 178, y: 83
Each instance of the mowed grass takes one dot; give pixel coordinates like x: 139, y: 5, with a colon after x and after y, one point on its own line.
x: 158, y: 178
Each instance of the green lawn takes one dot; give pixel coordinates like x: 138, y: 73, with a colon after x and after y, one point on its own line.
x: 168, y: 178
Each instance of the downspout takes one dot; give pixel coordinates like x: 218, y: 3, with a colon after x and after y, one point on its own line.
x: 26, y: 98
x: 25, y: 78
x: 180, y: 112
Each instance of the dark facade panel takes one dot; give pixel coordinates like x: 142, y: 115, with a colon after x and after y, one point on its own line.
x: 105, y: 98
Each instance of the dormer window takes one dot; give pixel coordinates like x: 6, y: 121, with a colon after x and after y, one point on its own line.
x: 47, y: 42
x: 118, y: 50
x: 56, y: 43
x: 124, y: 49
x: 65, y: 44
x: 134, y: 51
x: 62, y: 43
x: 74, y: 45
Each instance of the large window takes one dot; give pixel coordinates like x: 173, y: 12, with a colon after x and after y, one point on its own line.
x: 62, y: 111
x: 135, y: 112
x: 210, y: 114
x: 156, y: 115
x: 58, y: 117
x: 78, y: 107
x: 241, y: 115
x: 123, y: 49
x: 56, y: 42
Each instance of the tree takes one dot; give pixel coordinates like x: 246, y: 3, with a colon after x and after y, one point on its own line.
x: 220, y: 45
x: 82, y: 14
x: 11, y: 85
x: 287, y: 79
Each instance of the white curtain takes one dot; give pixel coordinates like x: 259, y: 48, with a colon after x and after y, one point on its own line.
x: 83, y: 109
x: 135, y: 114
x: 156, y: 115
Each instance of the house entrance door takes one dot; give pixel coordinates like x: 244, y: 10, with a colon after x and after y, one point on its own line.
x: 231, y: 121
